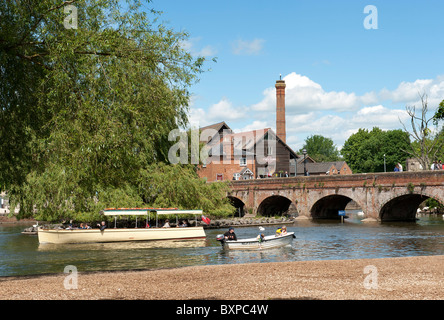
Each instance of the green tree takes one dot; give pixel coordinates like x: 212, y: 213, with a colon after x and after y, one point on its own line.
x: 439, y: 114
x: 364, y: 151
x: 87, y: 111
x: 321, y: 149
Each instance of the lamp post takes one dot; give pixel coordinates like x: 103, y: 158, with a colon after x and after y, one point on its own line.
x: 385, y: 169
x: 304, y: 152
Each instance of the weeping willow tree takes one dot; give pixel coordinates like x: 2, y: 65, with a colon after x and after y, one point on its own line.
x: 88, y: 98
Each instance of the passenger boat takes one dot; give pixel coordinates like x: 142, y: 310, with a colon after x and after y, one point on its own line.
x: 268, y: 242
x: 59, y: 236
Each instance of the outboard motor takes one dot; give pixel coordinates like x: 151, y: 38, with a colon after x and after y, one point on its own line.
x: 221, y: 239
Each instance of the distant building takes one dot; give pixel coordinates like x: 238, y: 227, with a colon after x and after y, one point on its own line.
x: 324, y: 168
x: 413, y: 164
x: 257, y: 154
x: 244, y: 155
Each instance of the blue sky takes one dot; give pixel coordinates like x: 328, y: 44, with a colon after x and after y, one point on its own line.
x: 340, y: 76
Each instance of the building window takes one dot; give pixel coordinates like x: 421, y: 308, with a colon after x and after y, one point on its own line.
x: 219, y: 177
x: 269, y: 151
x: 243, y: 161
x: 236, y: 176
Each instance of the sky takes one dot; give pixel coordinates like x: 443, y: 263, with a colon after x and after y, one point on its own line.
x: 346, y: 65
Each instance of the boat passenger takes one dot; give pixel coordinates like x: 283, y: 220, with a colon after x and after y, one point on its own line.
x: 167, y: 224
x: 70, y: 226
x: 102, y: 226
x: 230, y: 235
x: 283, y: 230
x: 278, y: 232
x: 182, y: 224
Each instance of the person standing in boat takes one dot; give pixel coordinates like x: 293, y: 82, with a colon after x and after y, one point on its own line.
x: 230, y: 235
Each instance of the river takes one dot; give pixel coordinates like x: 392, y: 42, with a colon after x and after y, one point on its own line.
x: 315, y: 240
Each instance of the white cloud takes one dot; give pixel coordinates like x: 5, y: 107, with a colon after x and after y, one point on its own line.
x: 255, y: 125
x: 409, y: 92
x: 192, y: 46
x: 243, y: 47
x: 224, y: 110
x: 303, y: 93
x: 379, y: 116
x: 337, y: 115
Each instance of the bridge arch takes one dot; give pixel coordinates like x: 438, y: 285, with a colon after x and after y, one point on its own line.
x: 328, y: 206
x: 239, y: 205
x: 275, y: 205
x: 403, y: 207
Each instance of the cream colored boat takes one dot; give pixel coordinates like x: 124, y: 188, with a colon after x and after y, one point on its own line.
x: 131, y: 234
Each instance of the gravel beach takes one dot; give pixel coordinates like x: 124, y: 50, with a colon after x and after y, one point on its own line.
x: 413, y: 278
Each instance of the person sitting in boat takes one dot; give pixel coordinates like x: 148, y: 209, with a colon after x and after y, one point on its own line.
x: 167, y: 224
x: 283, y: 230
x: 102, y: 226
x: 260, y: 237
x: 230, y: 235
x: 182, y: 224
x: 278, y: 232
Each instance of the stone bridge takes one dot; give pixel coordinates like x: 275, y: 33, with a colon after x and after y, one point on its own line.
x: 380, y: 196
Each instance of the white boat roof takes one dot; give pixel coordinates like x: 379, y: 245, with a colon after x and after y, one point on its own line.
x: 145, y: 211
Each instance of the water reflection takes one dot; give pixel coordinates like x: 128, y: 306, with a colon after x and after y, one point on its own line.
x: 315, y: 240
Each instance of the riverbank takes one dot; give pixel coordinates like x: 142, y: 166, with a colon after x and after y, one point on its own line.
x: 412, y: 278
x: 5, y: 219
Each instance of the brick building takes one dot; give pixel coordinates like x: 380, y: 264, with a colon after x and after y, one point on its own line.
x: 244, y: 155
x: 259, y: 153
x: 248, y: 155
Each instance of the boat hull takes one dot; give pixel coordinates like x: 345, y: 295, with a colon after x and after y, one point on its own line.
x: 253, y: 244
x: 118, y: 235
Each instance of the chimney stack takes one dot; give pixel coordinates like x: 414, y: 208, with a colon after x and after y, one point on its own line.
x: 280, y: 109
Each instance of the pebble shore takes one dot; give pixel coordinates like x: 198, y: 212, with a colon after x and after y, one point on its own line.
x: 412, y: 278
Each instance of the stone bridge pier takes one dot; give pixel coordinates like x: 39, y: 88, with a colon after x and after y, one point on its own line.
x: 380, y: 196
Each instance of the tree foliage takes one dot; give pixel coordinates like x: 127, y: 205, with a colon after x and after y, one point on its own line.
x: 439, y: 114
x: 321, y: 149
x: 86, y: 112
x: 364, y: 151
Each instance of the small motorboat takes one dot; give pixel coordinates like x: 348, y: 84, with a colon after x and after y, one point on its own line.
x: 267, y: 242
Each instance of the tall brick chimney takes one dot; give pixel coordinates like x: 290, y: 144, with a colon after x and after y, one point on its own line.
x: 280, y: 109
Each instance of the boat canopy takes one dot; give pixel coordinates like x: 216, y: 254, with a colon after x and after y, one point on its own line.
x: 145, y: 211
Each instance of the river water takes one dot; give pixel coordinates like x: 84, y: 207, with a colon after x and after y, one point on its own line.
x: 315, y: 240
